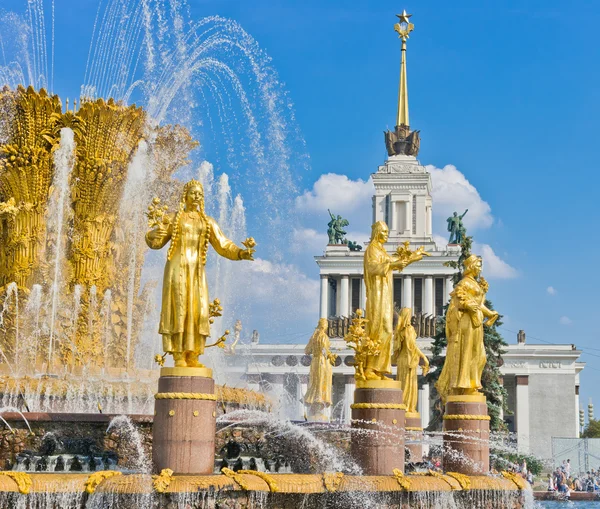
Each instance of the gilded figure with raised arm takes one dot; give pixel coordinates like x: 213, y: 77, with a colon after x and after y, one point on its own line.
x: 408, y: 356
x: 465, y: 319
x: 318, y: 394
x: 185, y: 315
x: 378, y: 272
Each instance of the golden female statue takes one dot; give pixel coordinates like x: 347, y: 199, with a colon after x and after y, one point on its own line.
x: 184, y: 318
x: 407, y: 356
x: 465, y: 355
x: 378, y: 271
x: 318, y: 395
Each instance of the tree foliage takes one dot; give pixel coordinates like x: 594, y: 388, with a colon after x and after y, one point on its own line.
x: 494, y: 348
x: 592, y: 430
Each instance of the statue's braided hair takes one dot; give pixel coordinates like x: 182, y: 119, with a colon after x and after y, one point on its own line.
x: 177, y: 227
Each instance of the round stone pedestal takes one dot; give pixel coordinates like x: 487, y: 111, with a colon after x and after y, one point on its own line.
x: 414, y: 437
x: 184, y: 421
x: 377, y: 443
x: 467, y: 435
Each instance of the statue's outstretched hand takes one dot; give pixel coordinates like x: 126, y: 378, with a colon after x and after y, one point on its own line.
x: 247, y: 254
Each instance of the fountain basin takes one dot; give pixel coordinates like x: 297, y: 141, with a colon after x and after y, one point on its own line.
x: 257, y: 489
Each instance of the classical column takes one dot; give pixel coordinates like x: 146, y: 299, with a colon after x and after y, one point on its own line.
x: 449, y: 287
x: 577, y: 429
x: 428, y: 304
x: 501, y: 415
x: 363, y: 294
x: 344, y: 296
x: 407, y: 301
x: 429, y: 228
x: 349, y: 387
x: 323, y: 311
x: 302, y: 388
x: 522, y: 413
x: 423, y: 404
x: 408, y: 216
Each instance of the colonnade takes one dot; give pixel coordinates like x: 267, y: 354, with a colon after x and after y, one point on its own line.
x: 342, y: 306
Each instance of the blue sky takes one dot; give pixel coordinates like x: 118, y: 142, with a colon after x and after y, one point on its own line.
x: 504, y: 91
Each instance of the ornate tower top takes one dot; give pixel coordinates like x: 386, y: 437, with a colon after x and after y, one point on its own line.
x: 402, y: 141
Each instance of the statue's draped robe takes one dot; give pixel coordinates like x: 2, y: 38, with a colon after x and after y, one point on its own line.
x: 465, y: 355
x: 407, y: 359
x: 380, y: 306
x: 321, y: 370
x: 184, y: 315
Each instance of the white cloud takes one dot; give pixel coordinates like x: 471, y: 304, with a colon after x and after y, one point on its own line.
x: 551, y: 290
x: 284, y: 287
x: 337, y: 193
x: 565, y: 320
x: 440, y: 241
x: 452, y: 192
x: 308, y: 240
x: 493, y: 266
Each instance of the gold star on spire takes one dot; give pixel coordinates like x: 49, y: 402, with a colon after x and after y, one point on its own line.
x: 403, y: 17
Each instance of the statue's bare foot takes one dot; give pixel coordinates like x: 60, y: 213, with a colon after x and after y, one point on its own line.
x: 191, y: 359
x: 179, y: 360
x: 371, y: 375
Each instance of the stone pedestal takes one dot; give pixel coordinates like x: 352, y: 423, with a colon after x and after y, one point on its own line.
x: 467, y: 435
x: 414, y: 437
x: 377, y: 442
x: 184, y: 421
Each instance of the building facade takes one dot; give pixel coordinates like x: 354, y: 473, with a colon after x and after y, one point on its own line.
x: 542, y: 381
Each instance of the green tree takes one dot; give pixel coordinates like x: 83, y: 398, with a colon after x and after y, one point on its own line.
x: 592, y: 430
x: 494, y: 348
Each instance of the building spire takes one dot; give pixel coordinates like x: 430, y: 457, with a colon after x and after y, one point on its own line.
x: 403, y: 27
x: 402, y: 141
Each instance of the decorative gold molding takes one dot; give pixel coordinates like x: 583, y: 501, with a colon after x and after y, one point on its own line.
x: 23, y: 480
x: 378, y: 384
x: 185, y: 395
x: 161, y: 482
x: 466, y: 417
x: 466, y: 398
x: 203, y: 372
x: 378, y: 406
x: 97, y: 477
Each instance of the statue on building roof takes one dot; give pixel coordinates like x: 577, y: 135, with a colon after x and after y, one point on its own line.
x: 456, y: 228
x: 335, y: 229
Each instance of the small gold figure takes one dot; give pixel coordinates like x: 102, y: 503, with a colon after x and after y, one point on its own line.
x: 318, y: 394
x: 186, y: 310
x: 361, y: 343
x: 378, y: 270
x: 465, y: 355
x: 407, y: 356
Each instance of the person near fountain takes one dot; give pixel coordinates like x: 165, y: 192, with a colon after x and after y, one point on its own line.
x: 465, y: 357
x: 318, y: 394
x: 378, y: 270
x: 407, y: 356
x: 184, y: 319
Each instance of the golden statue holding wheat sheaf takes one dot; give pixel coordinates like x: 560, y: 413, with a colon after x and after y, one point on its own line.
x: 186, y: 310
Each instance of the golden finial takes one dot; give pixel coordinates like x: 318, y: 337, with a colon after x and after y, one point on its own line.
x: 403, y: 27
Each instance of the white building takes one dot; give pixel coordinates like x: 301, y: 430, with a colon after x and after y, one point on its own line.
x: 542, y: 381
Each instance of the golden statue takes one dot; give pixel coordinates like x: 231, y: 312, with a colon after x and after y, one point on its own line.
x: 378, y: 273
x: 407, y: 356
x: 318, y: 394
x: 185, y: 314
x: 465, y: 355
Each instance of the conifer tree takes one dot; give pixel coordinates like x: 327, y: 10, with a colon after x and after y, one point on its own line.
x: 494, y: 348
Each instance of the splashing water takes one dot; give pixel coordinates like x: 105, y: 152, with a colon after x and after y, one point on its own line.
x: 64, y: 160
x: 125, y: 427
